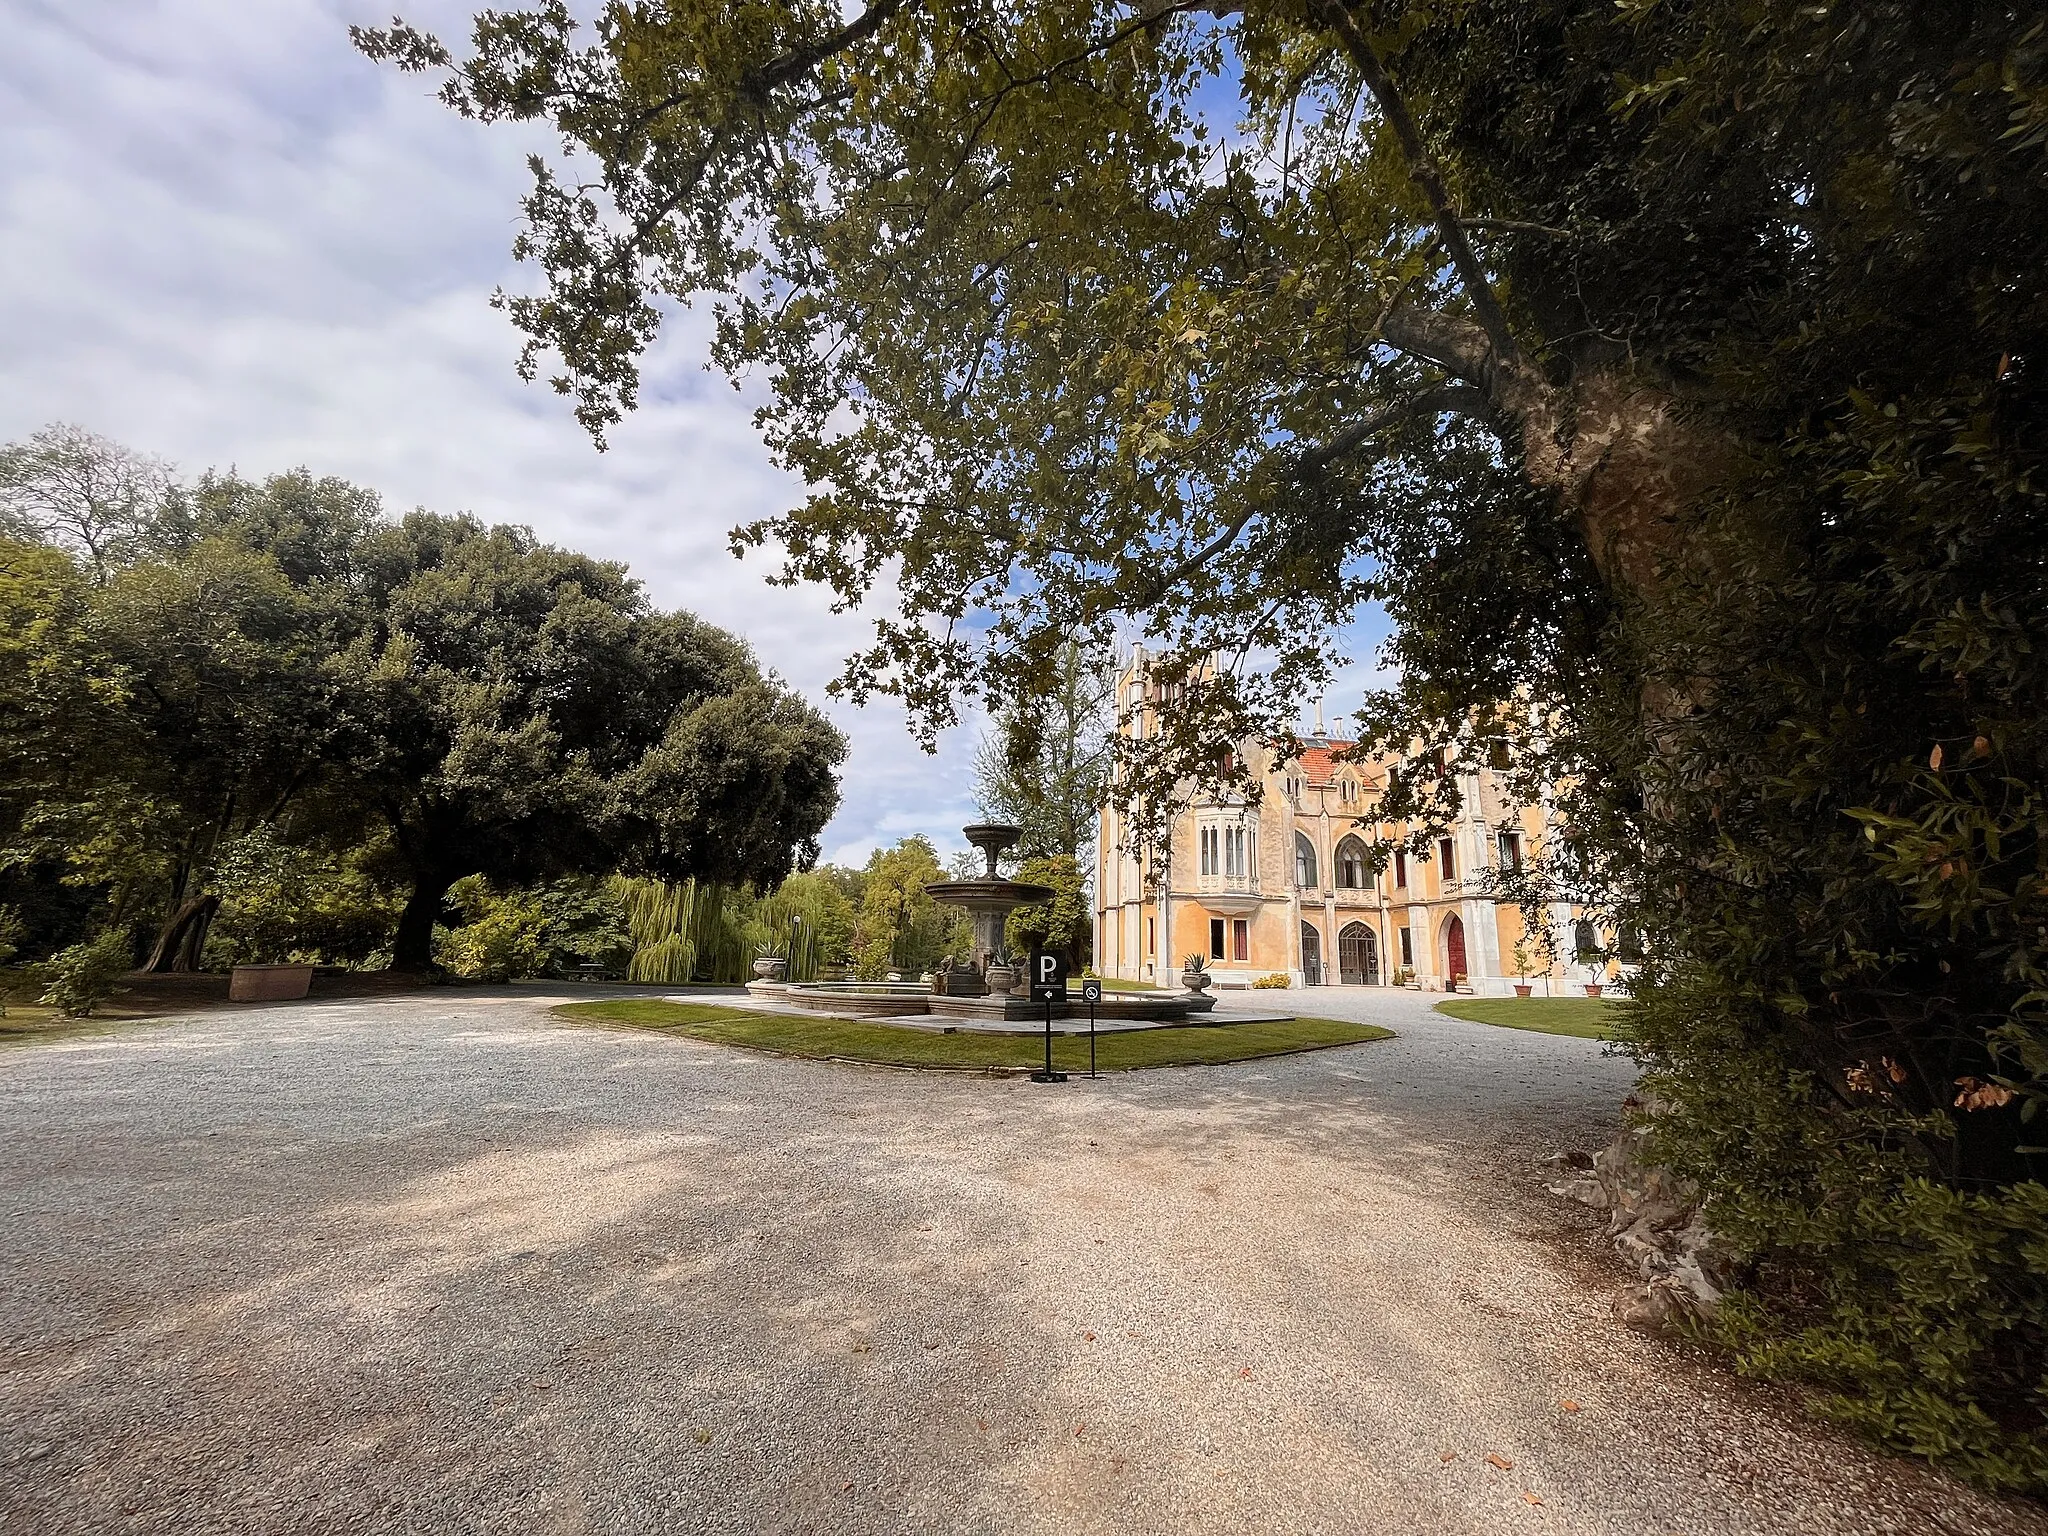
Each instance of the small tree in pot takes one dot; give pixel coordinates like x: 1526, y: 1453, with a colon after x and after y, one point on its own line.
x: 1523, y: 960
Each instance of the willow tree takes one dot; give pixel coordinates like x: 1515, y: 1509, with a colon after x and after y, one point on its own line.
x: 1672, y: 372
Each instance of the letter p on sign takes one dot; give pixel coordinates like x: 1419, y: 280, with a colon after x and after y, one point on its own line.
x: 1048, y: 978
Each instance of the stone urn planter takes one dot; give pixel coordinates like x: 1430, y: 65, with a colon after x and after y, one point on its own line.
x: 1000, y: 979
x: 269, y: 983
x: 770, y: 967
x: 1196, y: 982
x: 1593, y: 989
x: 1523, y: 989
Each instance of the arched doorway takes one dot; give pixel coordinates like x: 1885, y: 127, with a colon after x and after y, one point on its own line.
x: 1454, y: 951
x: 1358, y: 956
x: 1311, y: 956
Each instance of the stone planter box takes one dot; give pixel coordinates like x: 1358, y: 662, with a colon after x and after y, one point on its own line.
x: 269, y: 983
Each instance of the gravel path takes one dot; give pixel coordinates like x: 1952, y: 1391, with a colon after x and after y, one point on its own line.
x: 443, y: 1264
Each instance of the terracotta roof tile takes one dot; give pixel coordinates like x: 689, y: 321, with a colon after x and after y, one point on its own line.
x: 1318, y: 765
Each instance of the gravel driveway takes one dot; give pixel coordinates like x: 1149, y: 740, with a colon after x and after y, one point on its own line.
x: 442, y: 1264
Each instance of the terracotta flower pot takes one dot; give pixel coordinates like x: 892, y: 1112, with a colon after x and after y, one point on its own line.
x: 269, y: 983
x: 1523, y: 989
x: 1592, y: 989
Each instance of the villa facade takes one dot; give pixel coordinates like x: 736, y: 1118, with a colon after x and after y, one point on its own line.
x: 1284, y: 886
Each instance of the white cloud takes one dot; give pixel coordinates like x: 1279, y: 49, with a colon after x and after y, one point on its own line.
x: 226, y: 238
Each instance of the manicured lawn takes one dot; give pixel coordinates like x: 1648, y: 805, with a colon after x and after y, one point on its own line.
x: 1590, y: 1018
x: 891, y: 1045
x: 1111, y: 984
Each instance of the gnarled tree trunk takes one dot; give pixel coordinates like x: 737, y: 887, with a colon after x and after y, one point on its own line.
x: 412, y: 947
x: 181, y: 942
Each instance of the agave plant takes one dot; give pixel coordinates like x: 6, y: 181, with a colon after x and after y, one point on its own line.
x: 1195, y: 962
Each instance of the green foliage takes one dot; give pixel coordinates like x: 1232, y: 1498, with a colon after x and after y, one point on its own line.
x: 660, y: 919
x: 77, y: 980
x: 195, y: 674
x: 1044, y: 766
x: 545, y: 930
x: 508, y: 940
x: 898, y: 926
x: 284, y: 901
x: 713, y: 933
x: 1684, y: 407
x: 1066, y: 923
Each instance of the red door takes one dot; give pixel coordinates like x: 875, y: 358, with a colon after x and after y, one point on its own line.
x: 1454, y: 949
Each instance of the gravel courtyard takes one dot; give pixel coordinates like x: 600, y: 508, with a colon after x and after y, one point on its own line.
x: 441, y: 1263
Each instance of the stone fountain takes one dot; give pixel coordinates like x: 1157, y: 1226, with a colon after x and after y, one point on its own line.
x: 964, y: 995
x: 989, y: 899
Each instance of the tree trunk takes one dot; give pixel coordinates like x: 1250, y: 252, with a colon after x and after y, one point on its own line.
x: 412, y: 948
x: 182, y: 939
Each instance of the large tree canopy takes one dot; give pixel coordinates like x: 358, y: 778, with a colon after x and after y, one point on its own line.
x: 1672, y: 372
x: 256, y: 672
x: 527, y: 715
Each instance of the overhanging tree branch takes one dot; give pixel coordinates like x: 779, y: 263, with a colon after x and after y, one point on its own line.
x: 1450, y: 397
x: 1429, y: 181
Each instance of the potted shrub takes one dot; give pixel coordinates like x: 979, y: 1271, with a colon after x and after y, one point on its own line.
x: 1001, y: 976
x: 1523, y: 960
x: 770, y: 964
x: 1194, y: 973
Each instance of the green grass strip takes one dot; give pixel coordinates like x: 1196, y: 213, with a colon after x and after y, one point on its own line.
x: 892, y: 1045
x: 1589, y: 1018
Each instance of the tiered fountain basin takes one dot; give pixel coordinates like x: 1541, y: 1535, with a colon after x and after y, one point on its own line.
x: 854, y: 999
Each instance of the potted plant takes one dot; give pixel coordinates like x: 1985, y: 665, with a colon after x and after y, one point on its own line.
x: 1523, y: 960
x: 1593, y: 989
x: 1194, y: 973
x: 770, y: 964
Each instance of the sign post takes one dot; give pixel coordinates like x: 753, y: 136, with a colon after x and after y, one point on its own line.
x: 1091, y: 994
x: 1049, y: 986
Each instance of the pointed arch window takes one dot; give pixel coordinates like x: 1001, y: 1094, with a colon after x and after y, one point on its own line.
x: 1304, y: 861
x: 1351, y: 865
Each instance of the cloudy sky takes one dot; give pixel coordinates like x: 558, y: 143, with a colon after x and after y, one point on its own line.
x: 226, y: 238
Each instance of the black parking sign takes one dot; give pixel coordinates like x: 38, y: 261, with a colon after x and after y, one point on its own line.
x: 1048, y: 978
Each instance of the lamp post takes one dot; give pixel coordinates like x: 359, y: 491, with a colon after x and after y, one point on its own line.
x: 795, y: 922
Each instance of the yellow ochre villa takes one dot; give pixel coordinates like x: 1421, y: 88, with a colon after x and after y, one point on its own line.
x: 1284, y: 886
